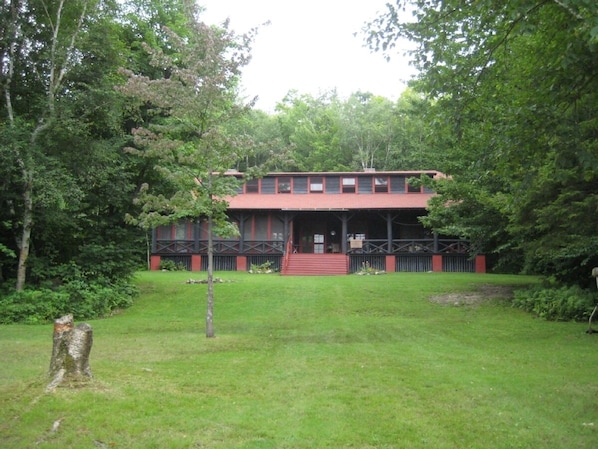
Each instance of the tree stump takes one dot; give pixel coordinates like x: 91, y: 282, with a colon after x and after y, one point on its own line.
x: 70, y: 352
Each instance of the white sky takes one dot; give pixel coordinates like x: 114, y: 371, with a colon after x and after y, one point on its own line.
x: 310, y: 46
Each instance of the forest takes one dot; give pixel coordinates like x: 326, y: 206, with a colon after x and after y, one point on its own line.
x: 111, y: 111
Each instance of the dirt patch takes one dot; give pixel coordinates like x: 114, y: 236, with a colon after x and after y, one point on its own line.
x: 482, y: 293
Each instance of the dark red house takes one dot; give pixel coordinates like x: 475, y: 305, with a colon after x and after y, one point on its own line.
x: 322, y: 223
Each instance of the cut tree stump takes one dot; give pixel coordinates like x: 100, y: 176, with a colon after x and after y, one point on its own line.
x: 70, y: 352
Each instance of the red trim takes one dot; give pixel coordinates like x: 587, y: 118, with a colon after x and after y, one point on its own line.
x: 390, y: 264
x: 195, y: 262
x: 480, y: 264
x: 241, y: 263
x: 437, y: 263
x: 154, y: 263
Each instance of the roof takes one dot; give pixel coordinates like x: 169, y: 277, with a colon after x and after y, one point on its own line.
x: 345, y: 173
x: 329, y: 201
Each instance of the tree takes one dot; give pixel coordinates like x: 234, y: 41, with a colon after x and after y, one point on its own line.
x: 39, y: 49
x: 369, y: 124
x: 188, y: 107
x: 514, y: 89
x: 312, y: 126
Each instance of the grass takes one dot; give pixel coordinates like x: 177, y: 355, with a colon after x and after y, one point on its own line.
x: 310, y: 362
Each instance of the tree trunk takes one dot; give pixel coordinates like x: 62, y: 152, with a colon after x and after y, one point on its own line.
x: 210, y: 311
x: 25, y: 239
x: 70, y: 352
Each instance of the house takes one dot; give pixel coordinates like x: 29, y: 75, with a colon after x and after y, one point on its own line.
x: 322, y: 223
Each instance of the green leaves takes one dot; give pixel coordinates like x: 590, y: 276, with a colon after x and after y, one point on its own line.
x: 514, y: 88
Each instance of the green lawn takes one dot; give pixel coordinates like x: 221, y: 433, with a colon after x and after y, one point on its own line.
x: 310, y: 362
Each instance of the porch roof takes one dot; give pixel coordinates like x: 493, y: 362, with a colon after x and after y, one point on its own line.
x: 328, y: 201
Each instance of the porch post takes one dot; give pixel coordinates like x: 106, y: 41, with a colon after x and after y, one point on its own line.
x: 285, y: 232
x: 389, y: 232
x: 241, y: 263
x: 436, y: 246
x: 154, y: 235
x: 241, y: 232
x: 344, y: 228
x: 196, y: 232
x: 195, y: 262
x: 480, y: 264
x: 390, y: 263
x: 437, y: 263
x: 154, y: 263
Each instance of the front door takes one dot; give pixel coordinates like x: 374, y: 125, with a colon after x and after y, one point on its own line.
x: 319, y: 244
x: 310, y: 234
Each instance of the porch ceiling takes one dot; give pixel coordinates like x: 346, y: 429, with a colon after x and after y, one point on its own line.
x: 328, y: 202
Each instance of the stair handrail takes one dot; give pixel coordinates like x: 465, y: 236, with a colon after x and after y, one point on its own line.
x: 287, y: 255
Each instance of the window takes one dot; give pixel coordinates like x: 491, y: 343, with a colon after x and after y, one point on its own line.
x: 284, y: 185
x: 316, y: 184
x: 333, y: 184
x: 300, y: 184
x: 348, y: 185
x: 381, y: 185
x: 252, y: 186
x: 364, y: 184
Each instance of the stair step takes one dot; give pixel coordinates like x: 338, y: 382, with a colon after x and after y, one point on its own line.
x: 316, y: 264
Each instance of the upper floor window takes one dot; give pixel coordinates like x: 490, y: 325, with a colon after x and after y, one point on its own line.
x: 284, y: 185
x: 252, y: 186
x: 316, y: 184
x: 381, y: 185
x: 348, y: 185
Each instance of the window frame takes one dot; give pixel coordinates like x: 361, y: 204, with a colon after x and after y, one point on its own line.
x: 348, y: 187
x: 282, y: 181
x: 381, y: 184
x: 312, y: 183
x: 252, y: 184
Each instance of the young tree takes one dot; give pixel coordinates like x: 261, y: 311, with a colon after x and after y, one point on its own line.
x: 190, y: 105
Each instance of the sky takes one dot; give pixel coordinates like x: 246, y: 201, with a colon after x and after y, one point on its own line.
x: 310, y: 46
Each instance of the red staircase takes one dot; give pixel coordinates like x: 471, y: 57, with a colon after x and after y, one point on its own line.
x: 316, y: 265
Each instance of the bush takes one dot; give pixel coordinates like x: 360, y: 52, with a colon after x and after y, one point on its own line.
x: 32, y: 306
x: 265, y: 268
x: 556, y: 304
x: 83, y: 299
x: 171, y: 265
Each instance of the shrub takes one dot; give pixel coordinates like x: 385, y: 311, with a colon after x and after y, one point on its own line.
x: 171, y: 265
x: 556, y: 304
x: 265, y: 268
x: 83, y: 299
x: 32, y: 306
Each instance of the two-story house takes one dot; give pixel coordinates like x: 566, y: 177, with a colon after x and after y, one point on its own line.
x: 322, y: 223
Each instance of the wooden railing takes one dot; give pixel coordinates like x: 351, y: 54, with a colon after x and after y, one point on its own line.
x: 220, y: 247
x: 287, y: 255
x: 380, y: 246
x: 277, y: 247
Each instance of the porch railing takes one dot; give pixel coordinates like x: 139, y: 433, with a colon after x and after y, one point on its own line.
x: 414, y: 246
x: 220, y: 247
x: 277, y: 247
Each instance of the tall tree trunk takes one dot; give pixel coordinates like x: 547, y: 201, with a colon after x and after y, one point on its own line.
x: 210, y: 311
x: 25, y: 238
